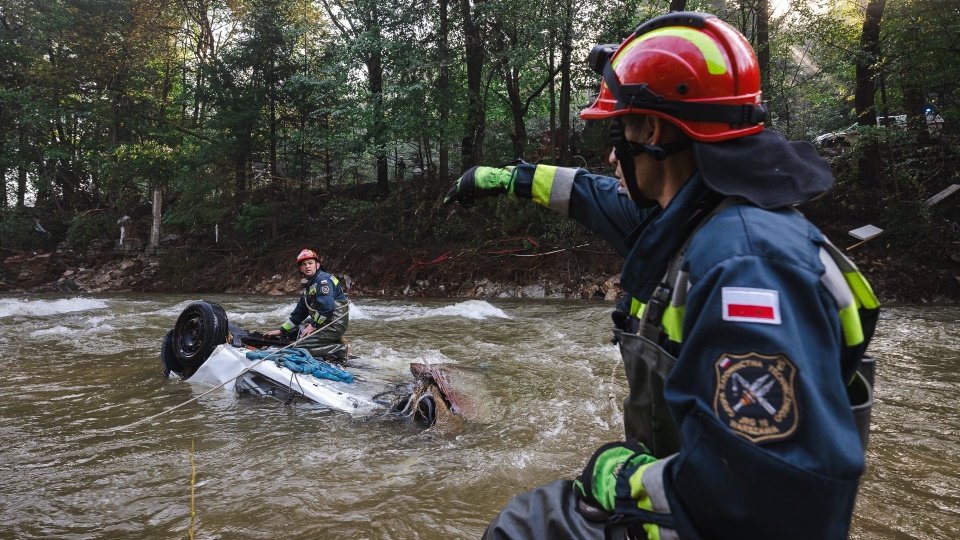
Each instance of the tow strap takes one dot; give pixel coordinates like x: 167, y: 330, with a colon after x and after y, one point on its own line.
x: 300, y: 361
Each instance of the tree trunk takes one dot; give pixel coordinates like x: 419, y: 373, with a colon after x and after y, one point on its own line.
x: 914, y: 97
x: 517, y: 111
x: 763, y: 45
x: 375, y: 68
x: 443, y: 86
x: 271, y: 97
x: 914, y: 103
x: 157, y: 213
x: 21, y: 185
x: 566, y: 52
x: 864, y: 96
x: 473, y: 128
x: 553, y: 107
x: 240, y: 179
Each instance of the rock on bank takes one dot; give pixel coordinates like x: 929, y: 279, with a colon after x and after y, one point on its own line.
x: 103, y: 266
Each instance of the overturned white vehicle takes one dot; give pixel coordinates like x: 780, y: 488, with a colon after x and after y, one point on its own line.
x: 204, y: 347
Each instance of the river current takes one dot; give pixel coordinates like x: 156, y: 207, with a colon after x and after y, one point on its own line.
x: 80, y: 369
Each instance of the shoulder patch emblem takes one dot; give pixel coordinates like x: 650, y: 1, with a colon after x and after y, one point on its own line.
x: 743, y: 304
x: 325, y: 289
x: 755, y: 396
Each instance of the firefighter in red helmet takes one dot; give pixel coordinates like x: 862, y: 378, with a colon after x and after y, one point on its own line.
x: 745, y: 328
x: 321, y: 316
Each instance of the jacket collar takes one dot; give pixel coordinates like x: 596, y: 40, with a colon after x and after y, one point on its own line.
x: 661, y: 235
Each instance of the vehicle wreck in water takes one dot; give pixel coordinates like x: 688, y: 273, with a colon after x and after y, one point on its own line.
x: 204, y: 347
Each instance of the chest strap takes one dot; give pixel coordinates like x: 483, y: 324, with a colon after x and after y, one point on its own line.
x: 652, y: 316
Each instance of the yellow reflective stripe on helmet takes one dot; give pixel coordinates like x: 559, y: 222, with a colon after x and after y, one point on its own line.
x: 712, y: 55
x: 542, y: 184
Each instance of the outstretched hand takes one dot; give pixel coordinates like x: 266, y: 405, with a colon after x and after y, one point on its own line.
x: 479, y: 183
x: 597, y: 486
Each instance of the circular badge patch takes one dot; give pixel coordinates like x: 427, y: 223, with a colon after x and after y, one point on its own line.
x: 325, y: 289
x: 755, y: 395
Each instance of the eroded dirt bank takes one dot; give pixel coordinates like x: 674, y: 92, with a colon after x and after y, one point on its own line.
x: 371, y: 267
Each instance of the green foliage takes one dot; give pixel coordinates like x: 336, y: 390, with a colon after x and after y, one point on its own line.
x: 18, y: 230
x: 93, y: 225
x: 341, y: 209
x: 276, y: 120
x: 130, y: 170
x: 527, y: 219
x: 909, y: 228
x: 252, y: 217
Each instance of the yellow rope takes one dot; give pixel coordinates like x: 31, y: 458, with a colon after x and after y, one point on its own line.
x: 193, y: 483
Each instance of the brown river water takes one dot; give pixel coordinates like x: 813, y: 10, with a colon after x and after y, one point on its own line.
x: 80, y: 369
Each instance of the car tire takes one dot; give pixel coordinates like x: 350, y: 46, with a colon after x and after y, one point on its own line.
x: 170, y: 362
x: 200, y: 328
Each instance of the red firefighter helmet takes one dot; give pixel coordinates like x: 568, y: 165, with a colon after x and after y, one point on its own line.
x: 307, y: 254
x: 690, y: 68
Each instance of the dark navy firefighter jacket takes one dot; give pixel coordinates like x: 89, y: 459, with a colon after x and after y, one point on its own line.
x: 769, y: 448
x: 318, y: 301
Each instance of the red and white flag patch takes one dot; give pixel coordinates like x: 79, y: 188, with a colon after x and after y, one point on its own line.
x: 743, y: 304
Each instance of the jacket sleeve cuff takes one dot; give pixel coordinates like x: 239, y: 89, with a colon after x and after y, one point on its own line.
x: 547, y: 185
x: 521, y: 186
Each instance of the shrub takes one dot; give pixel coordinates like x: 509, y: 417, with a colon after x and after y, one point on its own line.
x: 92, y: 225
x: 19, y: 230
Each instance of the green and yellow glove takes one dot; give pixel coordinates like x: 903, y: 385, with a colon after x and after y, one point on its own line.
x: 597, y: 485
x: 480, y: 183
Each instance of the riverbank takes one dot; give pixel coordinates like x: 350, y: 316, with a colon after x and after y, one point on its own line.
x: 372, y: 265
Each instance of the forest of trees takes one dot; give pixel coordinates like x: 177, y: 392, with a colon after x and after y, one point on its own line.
x: 255, y: 113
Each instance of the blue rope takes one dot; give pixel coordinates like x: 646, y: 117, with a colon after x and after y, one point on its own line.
x: 300, y: 361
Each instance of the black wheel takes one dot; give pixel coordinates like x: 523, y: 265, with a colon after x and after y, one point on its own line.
x: 169, y: 359
x: 200, y: 327
x: 221, y: 313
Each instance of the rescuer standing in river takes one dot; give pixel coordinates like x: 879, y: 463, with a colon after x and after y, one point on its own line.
x: 746, y: 415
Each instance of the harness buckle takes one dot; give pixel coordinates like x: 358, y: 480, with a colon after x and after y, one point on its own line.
x: 652, y: 326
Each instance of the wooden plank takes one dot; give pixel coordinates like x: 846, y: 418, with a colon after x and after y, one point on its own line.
x: 940, y: 197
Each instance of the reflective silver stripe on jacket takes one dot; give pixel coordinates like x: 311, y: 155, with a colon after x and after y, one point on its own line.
x: 561, y: 184
x: 653, y: 484
x: 833, y: 280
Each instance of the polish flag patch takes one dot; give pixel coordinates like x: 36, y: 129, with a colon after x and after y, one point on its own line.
x: 743, y: 304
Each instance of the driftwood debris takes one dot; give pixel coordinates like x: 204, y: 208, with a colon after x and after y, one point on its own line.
x: 950, y: 191
x: 864, y: 234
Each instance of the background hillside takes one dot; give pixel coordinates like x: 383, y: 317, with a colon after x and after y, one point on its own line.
x: 225, y: 135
